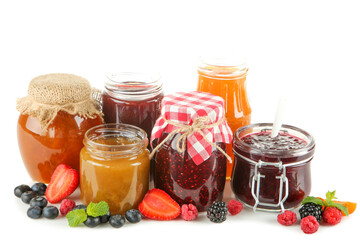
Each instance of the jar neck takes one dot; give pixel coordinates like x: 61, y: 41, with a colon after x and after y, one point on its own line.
x: 223, y: 68
x: 133, y: 86
x: 115, y: 140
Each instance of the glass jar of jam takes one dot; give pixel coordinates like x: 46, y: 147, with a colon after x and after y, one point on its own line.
x: 272, y: 174
x: 226, y: 77
x: 132, y: 98
x: 177, y: 174
x: 114, y: 166
x: 190, y: 160
x: 53, y: 119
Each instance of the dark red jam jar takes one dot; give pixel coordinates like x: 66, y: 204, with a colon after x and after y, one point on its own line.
x: 132, y: 98
x: 178, y: 175
x: 272, y: 174
x: 191, y: 137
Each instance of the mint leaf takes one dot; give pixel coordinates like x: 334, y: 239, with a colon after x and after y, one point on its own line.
x: 330, y: 195
x: 339, y: 206
x: 76, y: 217
x: 97, y: 209
x: 315, y: 200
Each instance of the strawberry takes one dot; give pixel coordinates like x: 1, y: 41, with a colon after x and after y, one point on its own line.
x: 63, y: 182
x: 158, y: 205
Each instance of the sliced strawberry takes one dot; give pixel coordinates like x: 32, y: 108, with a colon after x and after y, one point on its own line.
x: 63, y: 182
x: 158, y: 205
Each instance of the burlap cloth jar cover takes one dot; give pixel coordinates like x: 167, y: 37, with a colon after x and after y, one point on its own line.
x: 51, y: 93
x: 54, y: 117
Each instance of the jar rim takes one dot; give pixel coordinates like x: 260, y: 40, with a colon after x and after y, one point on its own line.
x: 133, y: 85
x: 103, y: 131
x: 223, y: 67
x: 268, y: 126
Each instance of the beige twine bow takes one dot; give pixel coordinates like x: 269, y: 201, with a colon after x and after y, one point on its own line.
x: 187, y: 130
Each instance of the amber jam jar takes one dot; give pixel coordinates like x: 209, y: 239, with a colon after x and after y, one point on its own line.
x: 132, y: 98
x: 272, y: 174
x: 114, y: 166
x: 53, y: 119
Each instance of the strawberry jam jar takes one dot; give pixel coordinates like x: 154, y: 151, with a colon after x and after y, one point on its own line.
x: 178, y: 175
x: 189, y: 141
x: 272, y: 174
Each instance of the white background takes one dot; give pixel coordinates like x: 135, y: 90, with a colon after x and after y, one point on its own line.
x: 307, y: 51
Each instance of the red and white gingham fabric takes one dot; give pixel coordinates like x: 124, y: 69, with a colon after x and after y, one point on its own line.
x: 184, y: 108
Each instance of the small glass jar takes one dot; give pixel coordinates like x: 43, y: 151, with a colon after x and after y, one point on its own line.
x: 226, y: 77
x: 272, y: 177
x: 114, y: 166
x: 132, y: 98
x: 186, y: 182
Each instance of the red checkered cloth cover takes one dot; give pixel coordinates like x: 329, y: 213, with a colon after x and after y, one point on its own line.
x: 184, y: 108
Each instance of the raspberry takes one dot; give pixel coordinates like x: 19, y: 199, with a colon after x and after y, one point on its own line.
x: 234, y: 207
x: 332, y: 215
x: 287, y: 218
x: 189, y: 212
x: 66, y: 206
x: 309, y: 224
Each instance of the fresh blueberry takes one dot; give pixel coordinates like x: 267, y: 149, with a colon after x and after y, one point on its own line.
x: 34, y: 212
x: 27, y: 196
x: 105, y: 218
x: 39, y: 202
x: 92, y: 221
x: 39, y: 188
x: 50, y: 212
x: 133, y: 216
x: 80, y: 206
x: 21, y: 189
x: 117, y: 221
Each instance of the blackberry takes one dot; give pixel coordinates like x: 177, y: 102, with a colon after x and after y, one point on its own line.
x: 217, y: 212
x: 311, y: 209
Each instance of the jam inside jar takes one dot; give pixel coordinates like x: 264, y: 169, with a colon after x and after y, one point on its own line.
x: 132, y: 98
x: 272, y: 174
x: 114, y: 166
x: 178, y: 175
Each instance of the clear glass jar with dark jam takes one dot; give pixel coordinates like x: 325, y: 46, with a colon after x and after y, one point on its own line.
x: 186, y: 182
x: 272, y: 174
x: 132, y: 98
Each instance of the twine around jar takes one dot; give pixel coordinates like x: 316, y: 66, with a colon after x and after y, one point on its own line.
x: 187, y: 130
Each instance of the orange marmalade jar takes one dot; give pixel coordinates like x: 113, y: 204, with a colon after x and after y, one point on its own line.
x: 226, y: 78
x: 114, y: 166
x: 53, y: 119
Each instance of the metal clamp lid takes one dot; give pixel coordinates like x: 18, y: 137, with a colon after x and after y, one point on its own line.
x: 257, y: 179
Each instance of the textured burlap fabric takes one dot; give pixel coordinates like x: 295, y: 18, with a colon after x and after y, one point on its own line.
x: 51, y: 93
